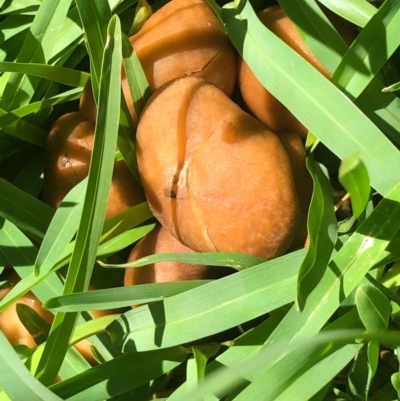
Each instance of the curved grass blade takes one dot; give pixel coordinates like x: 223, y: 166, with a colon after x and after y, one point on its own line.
x: 392, y: 88
x: 16, y: 380
x: 231, y: 259
x: 37, y: 327
x: 95, y: 203
x: 353, y: 175
x: 210, y: 309
x: 142, y: 14
x: 370, y: 50
x: 111, y: 298
x: 65, y: 76
x: 317, y: 103
x: 359, y: 12
x: 322, y: 231
x: 105, y: 381
x: 373, y: 308
x: 62, y: 228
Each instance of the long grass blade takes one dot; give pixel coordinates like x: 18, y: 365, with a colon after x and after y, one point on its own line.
x: 62, y: 228
x: 95, y: 202
x: 119, y: 297
x: 236, y: 260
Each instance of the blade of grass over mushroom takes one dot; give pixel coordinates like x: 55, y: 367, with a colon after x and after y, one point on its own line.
x: 312, y: 98
x: 322, y: 231
x: 111, y: 298
x: 65, y: 76
x: 61, y: 229
x: 209, y: 309
x: 370, y: 50
x: 91, y: 327
x: 34, y: 220
x: 37, y: 48
x: 231, y: 259
x: 124, y: 221
x: 105, y: 381
x: 94, y: 16
x: 95, y: 203
x: 354, y: 177
x: 363, y: 250
x: 124, y: 240
x: 16, y: 380
x: 316, y: 30
x: 359, y: 12
x: 138, y: 85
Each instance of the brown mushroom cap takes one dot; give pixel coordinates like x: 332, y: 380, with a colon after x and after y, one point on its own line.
x: 258, y: 99
x: 304, y: 185
x: 159, y: 241
x: 184, y: 37
x: 221, y: 181
x: 69, y: 148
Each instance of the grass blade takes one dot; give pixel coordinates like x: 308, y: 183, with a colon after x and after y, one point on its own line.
x: 236, y: 260
x: 62, y: 228
x: 94, y: 16
x: 119, y: 297
x: 354, y: 177
x: 65, y: 76
x: 322, y: 231
x: 95, y: 202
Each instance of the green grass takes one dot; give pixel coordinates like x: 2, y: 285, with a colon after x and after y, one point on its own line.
x: 310, y: 325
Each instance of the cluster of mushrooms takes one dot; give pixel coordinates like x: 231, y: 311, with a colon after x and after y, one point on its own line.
x: 217, y: 178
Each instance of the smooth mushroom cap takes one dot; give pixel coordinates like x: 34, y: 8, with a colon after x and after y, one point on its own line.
x: 69, y: 149
x: 221, y: 181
